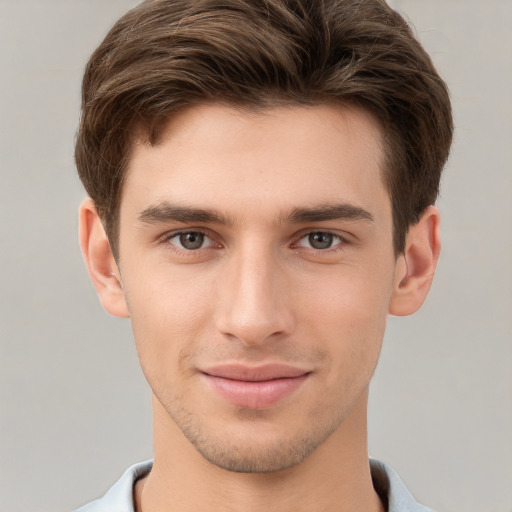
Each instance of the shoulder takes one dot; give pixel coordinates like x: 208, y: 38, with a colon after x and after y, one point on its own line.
x: 392, y: 490
x: 119, y: 498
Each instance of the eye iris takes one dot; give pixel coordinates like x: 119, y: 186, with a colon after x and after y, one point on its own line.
x: 192, y: 240
x: 320, y: 240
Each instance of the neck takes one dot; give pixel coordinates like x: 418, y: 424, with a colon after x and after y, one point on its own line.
x: 336, y: 477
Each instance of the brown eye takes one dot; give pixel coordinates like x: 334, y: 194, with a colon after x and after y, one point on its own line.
x: 192, y: 240
x: 320, y: 240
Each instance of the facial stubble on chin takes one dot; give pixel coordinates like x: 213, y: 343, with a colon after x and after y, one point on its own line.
x: 244, y: 456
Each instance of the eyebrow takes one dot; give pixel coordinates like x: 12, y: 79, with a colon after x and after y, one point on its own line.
x: 166, y: 212
x: 326, y: 212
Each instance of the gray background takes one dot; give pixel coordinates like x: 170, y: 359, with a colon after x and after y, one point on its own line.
x: 74, y: 407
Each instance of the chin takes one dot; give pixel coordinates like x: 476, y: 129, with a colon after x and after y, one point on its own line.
x: 242, y: 458
x: 258, y: 450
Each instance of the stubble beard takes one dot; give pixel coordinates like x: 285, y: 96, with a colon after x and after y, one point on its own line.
x: 242, y: 455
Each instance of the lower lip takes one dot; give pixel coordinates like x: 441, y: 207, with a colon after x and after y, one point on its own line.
x: 255, y: 395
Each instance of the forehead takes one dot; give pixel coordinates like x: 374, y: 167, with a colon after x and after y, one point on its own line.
x: 223, y: 157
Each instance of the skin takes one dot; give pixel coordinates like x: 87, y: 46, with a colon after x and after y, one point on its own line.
x: 258, y: 288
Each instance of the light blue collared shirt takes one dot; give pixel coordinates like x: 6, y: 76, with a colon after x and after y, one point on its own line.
x: 385, y: 480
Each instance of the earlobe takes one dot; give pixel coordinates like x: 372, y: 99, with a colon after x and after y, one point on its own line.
x: 100, y: 261
x: 415, y: 268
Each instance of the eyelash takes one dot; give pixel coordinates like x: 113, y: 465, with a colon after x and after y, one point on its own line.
x: 341, y: 242
x: 338, y: 242
x: 167, y: 241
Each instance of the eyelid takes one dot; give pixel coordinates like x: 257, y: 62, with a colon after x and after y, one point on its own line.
x: 166, y: 239
x: 342, y: 240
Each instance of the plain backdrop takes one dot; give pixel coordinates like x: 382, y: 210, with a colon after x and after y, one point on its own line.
x: 74, y: 407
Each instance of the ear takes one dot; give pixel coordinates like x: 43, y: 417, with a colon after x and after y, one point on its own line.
x: 100, y: 261
x: 415, y: 268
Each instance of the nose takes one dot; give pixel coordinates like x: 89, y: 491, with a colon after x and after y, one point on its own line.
x: 253, y: 300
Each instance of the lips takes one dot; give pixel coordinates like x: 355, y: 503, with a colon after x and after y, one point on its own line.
x: 255, y: 387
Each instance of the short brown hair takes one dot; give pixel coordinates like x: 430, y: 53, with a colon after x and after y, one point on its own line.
x: 165, y: 55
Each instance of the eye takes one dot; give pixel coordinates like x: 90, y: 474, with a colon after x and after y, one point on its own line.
x: 320, y: 240
x: 190, y: 240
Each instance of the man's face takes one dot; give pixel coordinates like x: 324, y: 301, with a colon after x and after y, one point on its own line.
x: 256, y: 259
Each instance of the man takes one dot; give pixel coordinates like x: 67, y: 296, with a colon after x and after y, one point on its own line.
x: 262, y: 177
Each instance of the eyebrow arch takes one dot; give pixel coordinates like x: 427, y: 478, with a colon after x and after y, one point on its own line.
x: 329, y: 212
x: 166, y: 212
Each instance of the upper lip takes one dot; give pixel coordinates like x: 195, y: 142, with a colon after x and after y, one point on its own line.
x: 255, y: 373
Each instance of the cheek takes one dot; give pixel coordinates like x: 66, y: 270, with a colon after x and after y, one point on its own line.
x: 164, y: 296
x: 349, y: 300
x: 349, y: 315
x: 168, y: 315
